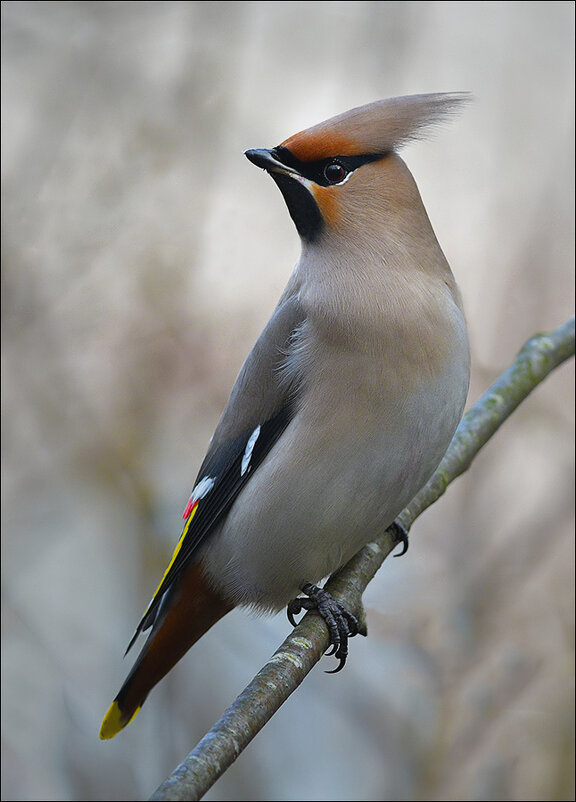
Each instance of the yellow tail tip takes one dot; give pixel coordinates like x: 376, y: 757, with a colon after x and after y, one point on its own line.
x: 114, y: 721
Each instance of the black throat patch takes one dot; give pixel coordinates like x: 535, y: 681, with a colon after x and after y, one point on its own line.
x: 303, y: 208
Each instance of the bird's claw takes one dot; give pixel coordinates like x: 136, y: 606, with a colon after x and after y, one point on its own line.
x: 340, y: 622
x: 400, y: 535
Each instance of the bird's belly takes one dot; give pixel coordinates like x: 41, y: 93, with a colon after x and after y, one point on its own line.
x: 328, y: 487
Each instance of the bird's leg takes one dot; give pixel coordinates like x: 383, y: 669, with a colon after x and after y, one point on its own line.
x: 340, y: 622
x: 400, y: 535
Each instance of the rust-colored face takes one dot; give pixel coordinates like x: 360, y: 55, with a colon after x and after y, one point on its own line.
x: 313, y: 145
x: 312, y: 167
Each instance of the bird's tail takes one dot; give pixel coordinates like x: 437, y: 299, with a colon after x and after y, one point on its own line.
x: 192, y: 610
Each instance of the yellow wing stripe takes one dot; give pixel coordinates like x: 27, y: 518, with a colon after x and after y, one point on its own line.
x: 113, y: 721
x: 176, y: 551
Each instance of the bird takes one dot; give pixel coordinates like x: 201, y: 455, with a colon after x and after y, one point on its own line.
x: 343, y: 408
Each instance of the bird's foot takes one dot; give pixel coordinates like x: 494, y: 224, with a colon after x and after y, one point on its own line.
x: 400, y: 535
x: 340, y: 622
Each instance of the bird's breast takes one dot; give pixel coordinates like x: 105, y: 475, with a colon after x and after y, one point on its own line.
x: 366, y: 435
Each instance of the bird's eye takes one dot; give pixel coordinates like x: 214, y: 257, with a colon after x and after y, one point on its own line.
x: 334, y: 173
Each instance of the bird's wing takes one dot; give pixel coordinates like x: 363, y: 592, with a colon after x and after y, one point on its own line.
x: 259, y: 409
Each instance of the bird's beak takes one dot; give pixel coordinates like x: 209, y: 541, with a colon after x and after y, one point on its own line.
x: 267, y: 160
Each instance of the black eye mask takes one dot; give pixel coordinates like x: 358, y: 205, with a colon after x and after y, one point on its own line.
x: 324, y: 172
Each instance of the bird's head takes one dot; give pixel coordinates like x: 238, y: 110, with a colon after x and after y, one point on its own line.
x: 343, y: 175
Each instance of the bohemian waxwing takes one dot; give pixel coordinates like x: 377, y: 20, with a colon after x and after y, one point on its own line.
x: 345, y: 405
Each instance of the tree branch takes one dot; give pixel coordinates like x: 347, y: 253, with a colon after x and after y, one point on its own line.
x: 304, y: 647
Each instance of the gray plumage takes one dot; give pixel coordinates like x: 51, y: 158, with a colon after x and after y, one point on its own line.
x: 345, y: 405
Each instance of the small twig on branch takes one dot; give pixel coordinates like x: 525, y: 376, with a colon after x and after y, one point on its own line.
x: 304, y: 647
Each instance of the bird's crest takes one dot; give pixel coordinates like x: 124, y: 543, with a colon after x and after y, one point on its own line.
x: 377, y: 128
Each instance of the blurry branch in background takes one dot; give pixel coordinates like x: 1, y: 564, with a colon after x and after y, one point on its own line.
x: 304, y: 647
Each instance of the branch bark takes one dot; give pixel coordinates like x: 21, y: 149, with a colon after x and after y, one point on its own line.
x: 304, y: 647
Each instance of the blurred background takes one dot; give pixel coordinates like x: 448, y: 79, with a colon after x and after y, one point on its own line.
x: 142, y: 254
